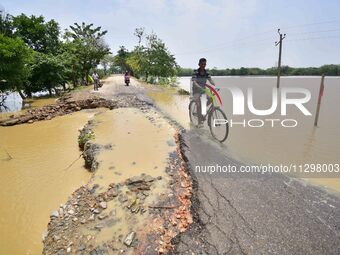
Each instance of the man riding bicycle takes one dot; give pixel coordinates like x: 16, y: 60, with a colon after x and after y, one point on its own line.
x: 95, y: 78
x: 199, y: 79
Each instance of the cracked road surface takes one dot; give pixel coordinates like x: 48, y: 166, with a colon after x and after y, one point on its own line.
x: 258, y: 214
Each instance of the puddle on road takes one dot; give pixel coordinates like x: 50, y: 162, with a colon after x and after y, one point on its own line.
x: 172, y: 104
x: 34, y: 182
x: 139, y: 145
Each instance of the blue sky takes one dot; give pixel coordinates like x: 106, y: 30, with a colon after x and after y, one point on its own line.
x: 229, y: 33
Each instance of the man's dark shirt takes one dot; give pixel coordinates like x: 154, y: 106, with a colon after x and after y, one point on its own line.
x: 200, y: 79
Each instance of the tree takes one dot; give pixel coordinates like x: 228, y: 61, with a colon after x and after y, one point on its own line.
x: 89, y: 44
x: 139, y: 32
x: 37, y: 34
x: 161, y: 63
x: 151, y: 59
x: 15, y: 58
x: 108, y: 62
x: 6, y: 26
x: 48, y: 72
x: 121, y: 59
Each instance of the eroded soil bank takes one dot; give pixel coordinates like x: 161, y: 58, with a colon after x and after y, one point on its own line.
x: 138, y: 198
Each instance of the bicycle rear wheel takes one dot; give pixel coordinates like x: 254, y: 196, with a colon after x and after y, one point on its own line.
x: 218, y: 124
x: 193, y: 112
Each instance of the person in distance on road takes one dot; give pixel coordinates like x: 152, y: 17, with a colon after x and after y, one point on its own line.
x: 95, y: 78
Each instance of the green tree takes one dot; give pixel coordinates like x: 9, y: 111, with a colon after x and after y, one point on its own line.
x: 152, y: 59
x: 48, y: 72
x: 15, y: 58
x: 108, y: 62
x: 39, y: 35
x: 121, y: 59
x: 89, y: 44
x: 6, y: 25
x: 161, y: 63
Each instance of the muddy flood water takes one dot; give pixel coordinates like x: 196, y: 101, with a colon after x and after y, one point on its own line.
x: 302, y: 144
x: 40, y: 167
x: 35, y: 178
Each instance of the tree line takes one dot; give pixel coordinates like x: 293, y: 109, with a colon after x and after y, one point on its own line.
x: 36, y: 56
x: 330, y: 70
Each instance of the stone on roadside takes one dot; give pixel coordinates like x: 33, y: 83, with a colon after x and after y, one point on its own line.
x: 102, y: 216
x: 103, y: 205
x: 54, y: 214
x: 129, y: 239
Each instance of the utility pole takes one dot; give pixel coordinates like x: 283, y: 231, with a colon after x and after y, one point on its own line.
x: 280, y: 51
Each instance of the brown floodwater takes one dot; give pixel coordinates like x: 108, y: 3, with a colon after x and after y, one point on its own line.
x: 302, y: 144
x: 172, y: 104
x: 34, y: 178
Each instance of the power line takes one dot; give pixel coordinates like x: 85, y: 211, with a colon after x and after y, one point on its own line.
x: 313, y: 24
x: 313, y: 38
x: 223, y: 45
x: 314, y: 32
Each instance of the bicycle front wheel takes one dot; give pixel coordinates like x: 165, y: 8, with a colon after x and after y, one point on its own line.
x: 193, y: 112
x: 218, y: 123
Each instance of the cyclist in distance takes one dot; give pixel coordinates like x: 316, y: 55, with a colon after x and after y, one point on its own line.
x: 199, y: 79
x: 95, y: 78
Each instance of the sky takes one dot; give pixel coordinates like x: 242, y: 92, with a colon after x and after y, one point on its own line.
x: 229, y: 33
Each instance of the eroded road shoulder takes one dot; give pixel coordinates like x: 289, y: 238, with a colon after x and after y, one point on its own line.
x: 138, y: 199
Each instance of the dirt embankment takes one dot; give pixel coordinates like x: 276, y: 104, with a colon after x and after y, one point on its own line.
x: 69, y: 104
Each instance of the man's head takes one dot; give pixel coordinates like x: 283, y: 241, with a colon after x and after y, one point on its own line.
x: 202, y: 63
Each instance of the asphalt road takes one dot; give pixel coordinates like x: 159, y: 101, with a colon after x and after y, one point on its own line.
x: 254, y: 214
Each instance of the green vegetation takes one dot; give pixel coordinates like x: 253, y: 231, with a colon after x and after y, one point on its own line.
x: 34, y: 57
x: 331, y: 70
x: 85, y: 136
x: 150, y: 60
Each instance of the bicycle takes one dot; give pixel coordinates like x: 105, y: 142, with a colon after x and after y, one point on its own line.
x: 217, y: 119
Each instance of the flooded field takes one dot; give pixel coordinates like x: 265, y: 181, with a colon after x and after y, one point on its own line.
x: 36, y: 178
x: 302, y: 144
